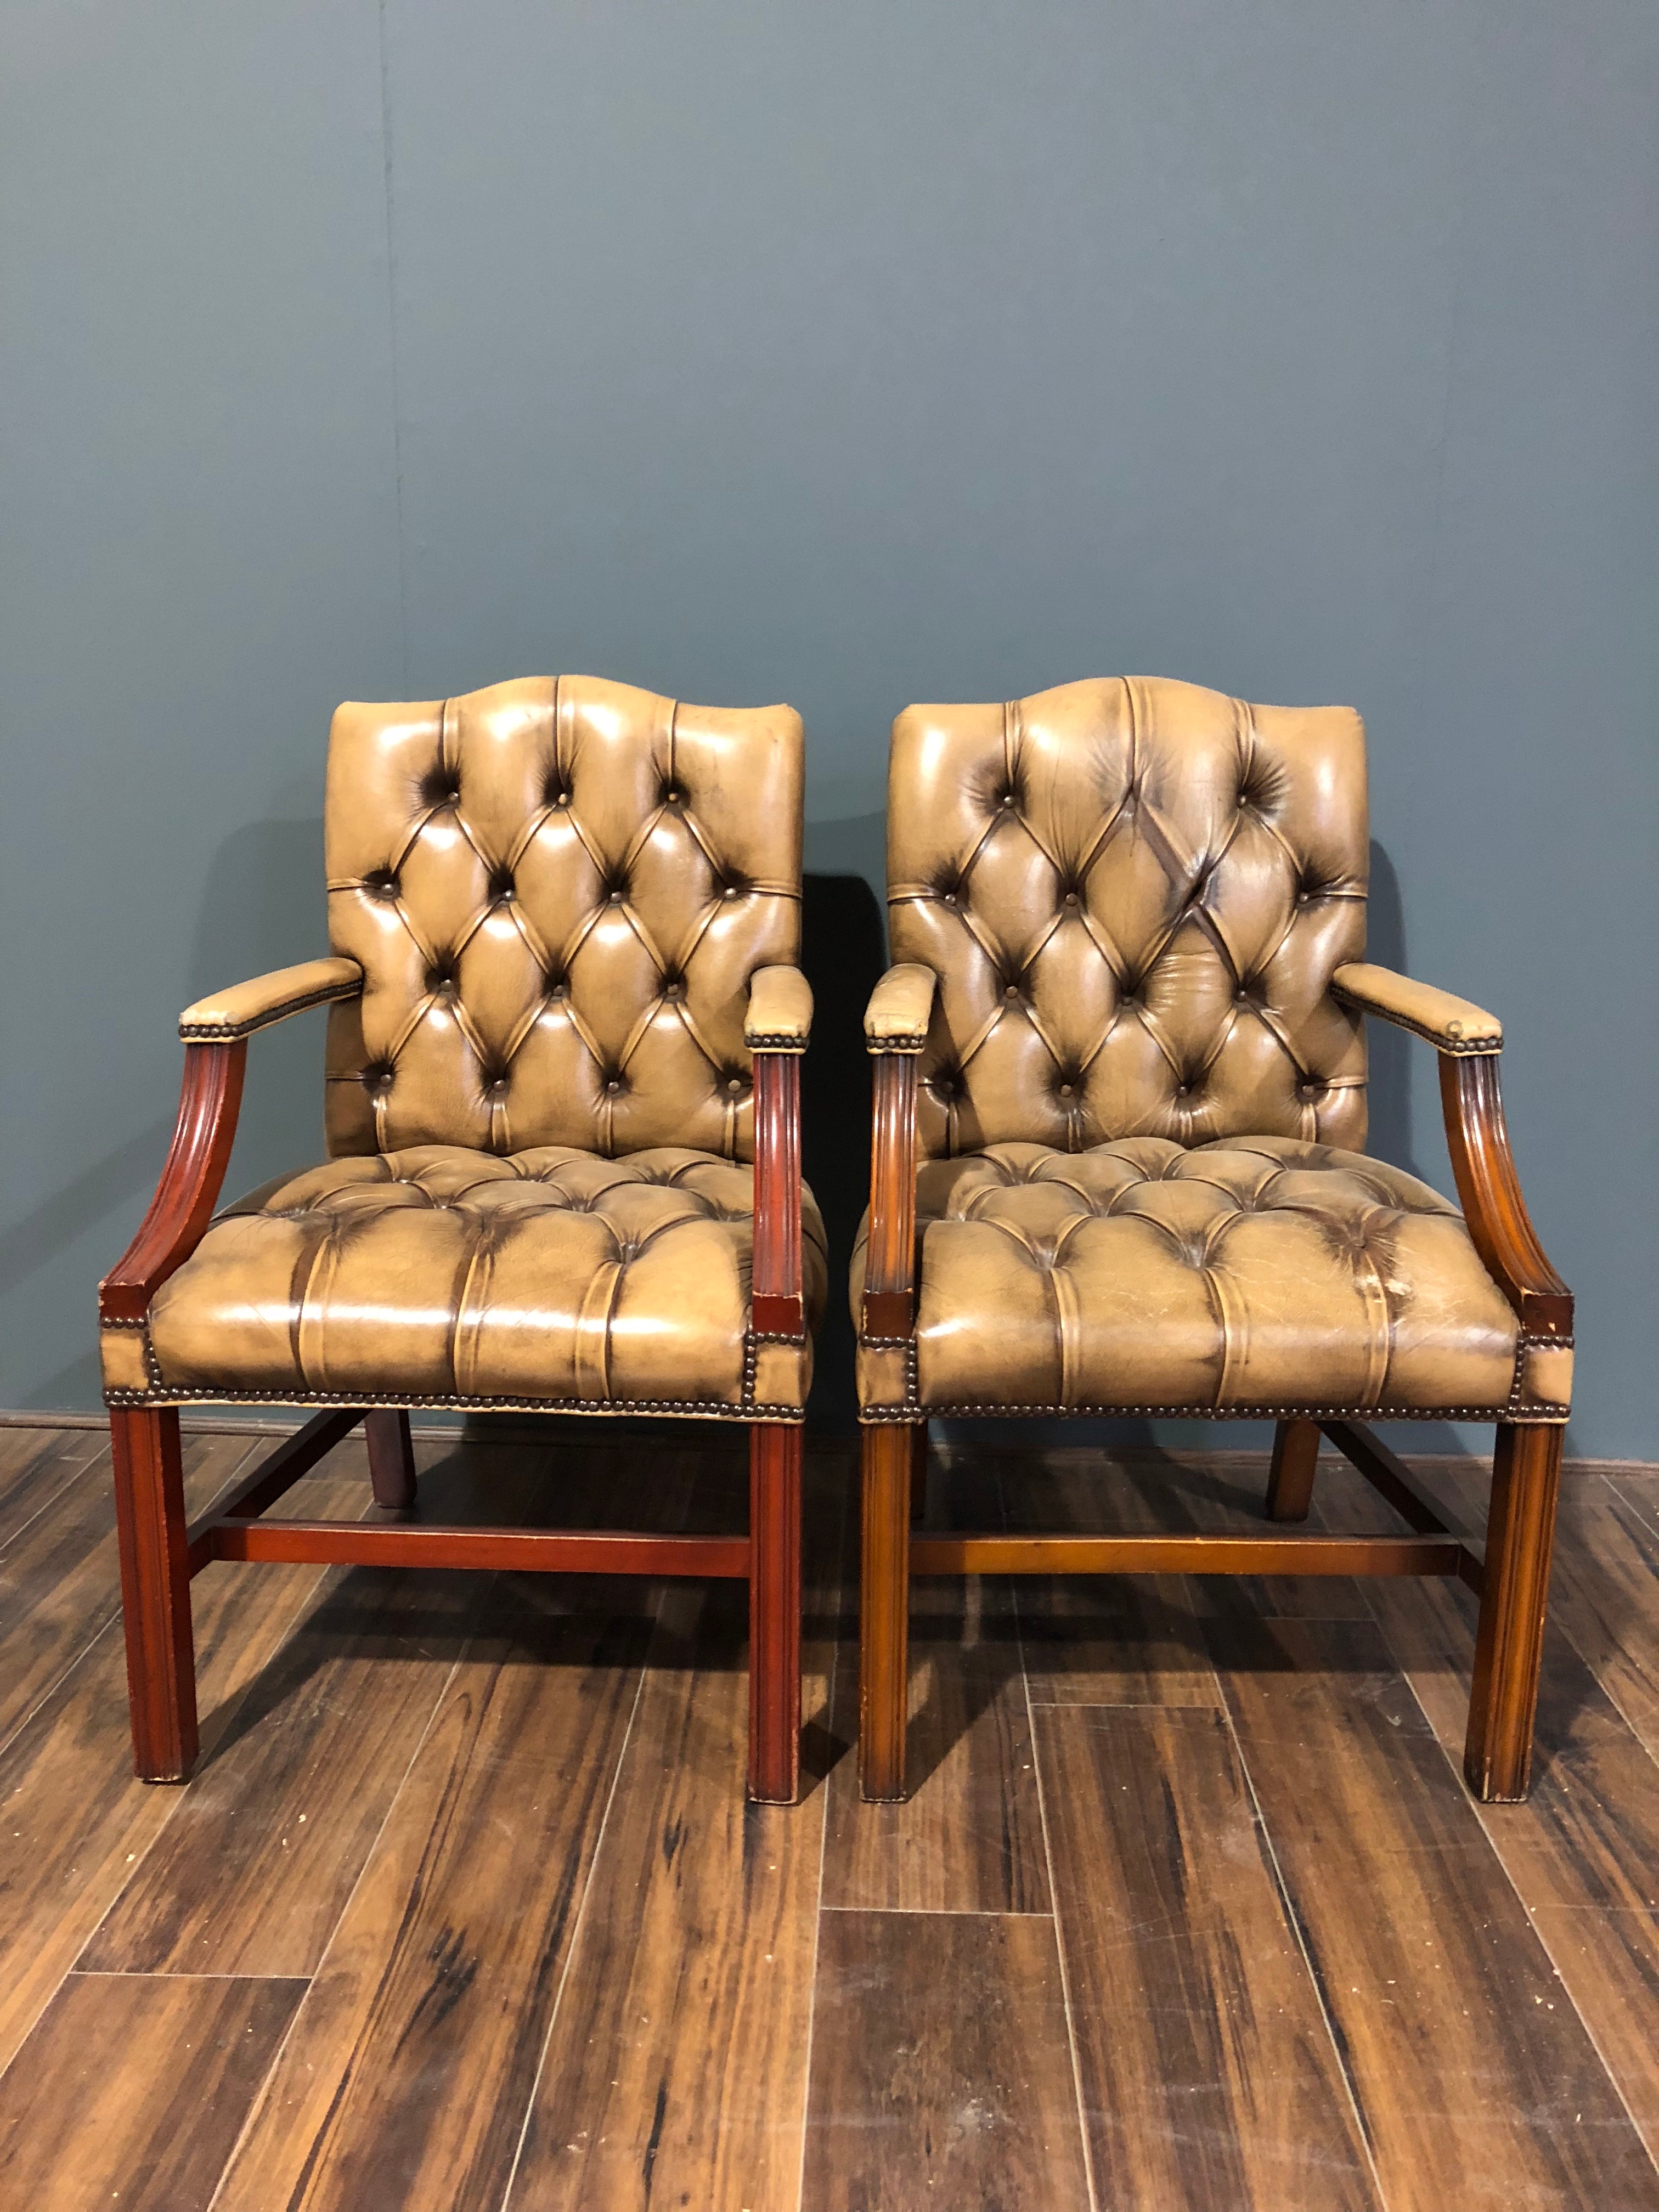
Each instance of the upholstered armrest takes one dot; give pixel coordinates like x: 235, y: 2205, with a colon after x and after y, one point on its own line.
x: 244, y: 1007
x: 1448, y: 1024
x: 780, y: 1016
x: 1469, y: 1042
x: 896, y: 1020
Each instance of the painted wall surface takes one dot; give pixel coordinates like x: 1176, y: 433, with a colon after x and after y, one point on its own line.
x: 848, y: 354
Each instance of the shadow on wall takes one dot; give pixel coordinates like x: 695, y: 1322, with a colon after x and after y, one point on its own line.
x: 842, y: 953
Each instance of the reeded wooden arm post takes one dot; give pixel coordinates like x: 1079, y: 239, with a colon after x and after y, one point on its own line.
x: 1527, y: 1466
x: 896, y: 1027
x: 191, y: 1181
x: 1527, y: 1463
x: 779, y: 1017
x: 150, y: 1487
x: 149, y: 1490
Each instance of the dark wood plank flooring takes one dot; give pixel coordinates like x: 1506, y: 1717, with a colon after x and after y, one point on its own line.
x: 1189, y: 1910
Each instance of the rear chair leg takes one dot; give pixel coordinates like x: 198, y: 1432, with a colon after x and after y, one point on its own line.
x: 885, y: 1609
x: 391, y: 1457
x: 150, y: 1513
x: 1510, y: 1641
x: 774, y: 1449
x: 1290, y: 1478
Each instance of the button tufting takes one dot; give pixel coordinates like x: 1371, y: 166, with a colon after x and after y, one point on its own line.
x: 613, y: 1084
x: 1071, y: 898
x: 1065, y: 1090
x: 1012, y: 991
x: 734, y: 1084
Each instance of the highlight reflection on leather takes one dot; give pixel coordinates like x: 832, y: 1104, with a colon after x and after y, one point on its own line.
x: 558, y: 889
x: 566, y: 915
x: 1141, y: 1098
x: 1134, y: 893
x: 1250, y: 1273
x: 441, y: 1273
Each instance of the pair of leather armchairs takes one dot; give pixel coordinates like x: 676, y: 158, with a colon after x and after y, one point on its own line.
x: 1120, y: 1109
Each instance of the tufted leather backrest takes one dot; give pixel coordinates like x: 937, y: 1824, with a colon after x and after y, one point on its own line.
x: 558, y: 889
x: 1134, y: 892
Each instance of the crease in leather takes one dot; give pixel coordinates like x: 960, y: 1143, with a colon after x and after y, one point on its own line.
x: 443, y: 1273
x: 559, y: 891
x: 1134, y: 893
x: 1137, y: 896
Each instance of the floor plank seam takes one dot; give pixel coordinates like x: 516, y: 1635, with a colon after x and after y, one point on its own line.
x: 256, y: 2100
x: 57, y: 1682
x: 1543, y: 1939
x: 1566, y: 1626
x: 166, y: 1974
x: 1089, y: 2181
x: 1293, y: 1919
x: 97, y: 1637
x: 582, y: 1909
x: 75, y: 1474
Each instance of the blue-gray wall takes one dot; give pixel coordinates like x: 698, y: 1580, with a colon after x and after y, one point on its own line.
x: 851, y: 353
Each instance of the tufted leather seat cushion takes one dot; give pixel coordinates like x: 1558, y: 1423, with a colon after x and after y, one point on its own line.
x: 1134, y: 893
x: 550, y: 1278
x: 558, y: 889
x: 1253, y: 1274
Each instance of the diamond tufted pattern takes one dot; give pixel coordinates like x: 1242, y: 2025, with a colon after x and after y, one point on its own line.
x: 550, y: 1277
x: 557, y: 890
x: 1246, y: 1275
x: 1133, y: 892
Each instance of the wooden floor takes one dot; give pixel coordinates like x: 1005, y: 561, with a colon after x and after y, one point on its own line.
x: 465, y: 1909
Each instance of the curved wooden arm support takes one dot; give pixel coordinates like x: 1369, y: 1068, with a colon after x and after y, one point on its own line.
x: 775, y: 1303
x: 183, y: 1205
x: 890, y: 1266
x: 1489, y: 1191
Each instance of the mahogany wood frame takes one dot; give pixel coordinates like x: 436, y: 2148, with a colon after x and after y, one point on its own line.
x: 1509, y: 1572
x: 160, y: 1552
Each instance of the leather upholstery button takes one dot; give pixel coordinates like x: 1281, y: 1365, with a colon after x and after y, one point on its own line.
x: 673, y: 991
x: 613, y: 1085
x: 734, y: 1085
x: 1071, y: 898
x: 1065, y: 1090
x: 622, y: 902
x: 1012, y: 992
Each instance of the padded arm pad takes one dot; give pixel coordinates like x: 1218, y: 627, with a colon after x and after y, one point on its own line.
x: 896, y: 1020
x: 1450, y: 1024
x: 245, y: 1007
x: 780, y: 1016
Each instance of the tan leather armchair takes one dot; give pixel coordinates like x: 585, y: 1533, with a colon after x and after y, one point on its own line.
x: 563, y: 1172
x: 1119, y: 1161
